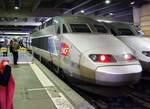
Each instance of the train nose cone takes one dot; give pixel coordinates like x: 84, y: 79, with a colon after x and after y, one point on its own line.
x: 118, y: 75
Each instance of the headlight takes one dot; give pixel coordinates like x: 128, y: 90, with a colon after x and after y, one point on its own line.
x: 102, y: 58
x: 146, y: 53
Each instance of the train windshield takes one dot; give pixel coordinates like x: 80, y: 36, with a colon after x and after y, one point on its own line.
x: 123, y: 31
x: 81, y: 28
x: 100, y: 29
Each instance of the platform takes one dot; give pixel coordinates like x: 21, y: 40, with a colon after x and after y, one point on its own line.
x: 23, y: 57
x: 36, y: 87
x: 29, y: 92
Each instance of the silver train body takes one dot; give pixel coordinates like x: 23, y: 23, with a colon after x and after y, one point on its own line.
x: 133, y: 38
x: 86, y: 51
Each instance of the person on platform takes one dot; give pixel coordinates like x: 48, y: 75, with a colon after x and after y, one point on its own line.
x: 10, y: 46
x: 15, y: 46
x: 7, y: 85
x: 5, y: 45
x: 21, y: 43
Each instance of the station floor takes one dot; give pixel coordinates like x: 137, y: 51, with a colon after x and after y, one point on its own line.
x: 29, y: 92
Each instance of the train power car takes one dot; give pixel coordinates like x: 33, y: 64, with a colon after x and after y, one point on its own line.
x: 131, y: 36
x: 85, y: 52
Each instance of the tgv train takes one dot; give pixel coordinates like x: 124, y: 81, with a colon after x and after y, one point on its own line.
x: 133, y: 37
x: 84, y: 51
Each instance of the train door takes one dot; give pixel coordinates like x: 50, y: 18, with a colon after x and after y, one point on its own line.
x: 67, y: 54
x: 55, y: 46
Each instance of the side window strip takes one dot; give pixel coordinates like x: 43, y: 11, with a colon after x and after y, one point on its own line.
x: 64, y: 29
x: 58, y: 30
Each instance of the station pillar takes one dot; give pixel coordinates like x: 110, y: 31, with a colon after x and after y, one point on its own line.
x: 145, y: 18
x: 136, y: 16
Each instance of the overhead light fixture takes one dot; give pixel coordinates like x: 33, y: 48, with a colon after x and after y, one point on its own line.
x: 16, y: 4
x: 107, y: 1
x: 111, y: 13
x: 2, y: 18
x: 132, y: 3
x: 82, y: 11
x: 23, y: 33
x: 15, y: 19
x: 108, y: 21
x: 16, y: 7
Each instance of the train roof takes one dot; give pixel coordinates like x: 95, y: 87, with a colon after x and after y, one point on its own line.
x: 75, y: 19
x: 121, y: 24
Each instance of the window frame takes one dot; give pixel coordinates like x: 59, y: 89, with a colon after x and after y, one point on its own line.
x: 107, y: 32
x: 65, y: 28
x: 80, y: 32
x: 118, y: 29
x: 59, y: 30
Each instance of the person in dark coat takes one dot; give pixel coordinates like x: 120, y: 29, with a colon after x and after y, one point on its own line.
x: 7, y: 86
x: 15, y: 46
x: 5, y: 45
x: 21, y: 43
x: 10, y: 46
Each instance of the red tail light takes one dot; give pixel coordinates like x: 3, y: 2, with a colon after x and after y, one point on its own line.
x: 102, y: 58
x: 128, y: 57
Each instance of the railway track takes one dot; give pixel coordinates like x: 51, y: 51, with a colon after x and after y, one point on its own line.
x: 140, y: 92
x: 133, y: 97
x: 127, y: 101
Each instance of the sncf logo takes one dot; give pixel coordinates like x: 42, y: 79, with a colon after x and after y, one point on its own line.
x: 64, y: 49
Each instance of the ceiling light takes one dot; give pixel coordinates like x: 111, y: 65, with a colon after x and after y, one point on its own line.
x: 132, y: 3
x: 82, y: 11
x: 16, y: 19
x: 23, y: 33
x: 16, y: 7
x: 108, y: 21
x: 111, y: 14
x: 2, y: 18
x: 107, y: 1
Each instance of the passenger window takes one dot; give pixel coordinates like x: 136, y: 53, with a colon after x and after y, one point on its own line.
x: 51, y: 46
x: 64, y: 29
x: 58, y: 30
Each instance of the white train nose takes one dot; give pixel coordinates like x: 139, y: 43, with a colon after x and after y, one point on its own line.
x: 118, y: 75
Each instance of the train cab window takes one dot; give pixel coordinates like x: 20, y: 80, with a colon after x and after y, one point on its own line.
x: 82, y: 28
x: 58, y: 30
x: 113, y: 32
x: 52, y: 47
x: 43, y: 25
x: 123, y: 31
x: 64, y: 29
x: 49, y: 23
x: 100, y: 29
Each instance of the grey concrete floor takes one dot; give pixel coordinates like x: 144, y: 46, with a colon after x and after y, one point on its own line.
x: 28, y: 90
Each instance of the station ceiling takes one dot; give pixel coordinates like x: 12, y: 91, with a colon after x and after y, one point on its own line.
x: 24, y: 15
